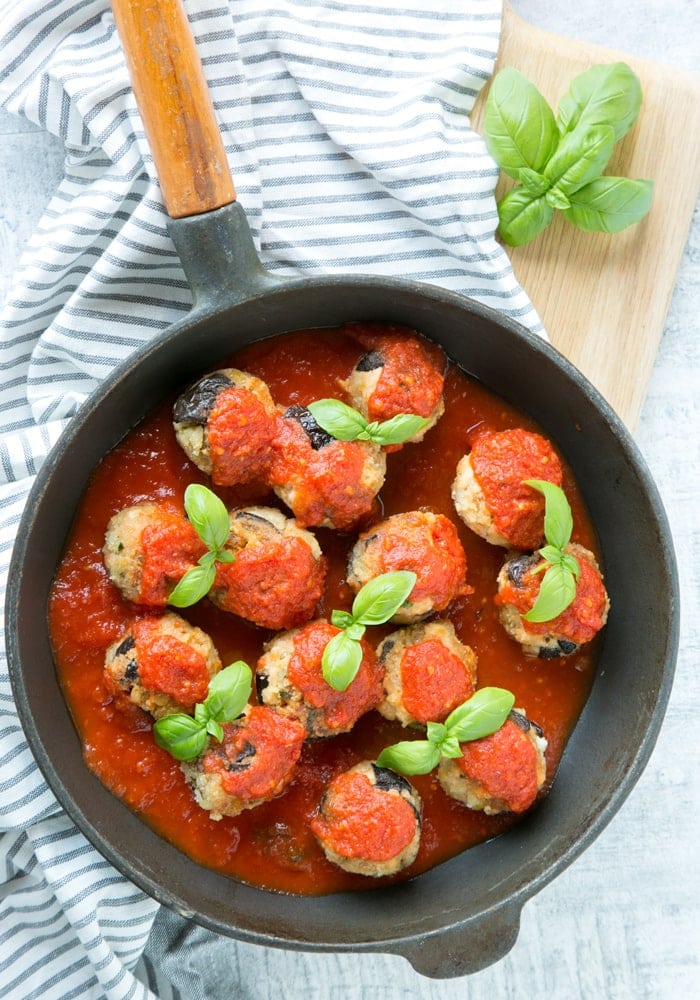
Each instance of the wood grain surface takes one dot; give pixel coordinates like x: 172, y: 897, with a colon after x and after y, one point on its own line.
x: 603, y: 299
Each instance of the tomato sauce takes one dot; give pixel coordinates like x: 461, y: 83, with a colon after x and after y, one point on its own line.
x: 273, y: 845
x: 433, y: 681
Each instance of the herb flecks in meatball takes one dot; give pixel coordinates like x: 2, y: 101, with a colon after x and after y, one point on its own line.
x: 369, y: 821
x: 163, y: 665
x: 425, y: 543
x: 148, y: 548
x: 254, y: 762
x: 489, y: 489
x: 499, y: 773
x: 225, y: 424
x: 519, y: 582
x: 333, y: 485
x: 278, y: 573
x: 290, y: 677
x: 427, y: 673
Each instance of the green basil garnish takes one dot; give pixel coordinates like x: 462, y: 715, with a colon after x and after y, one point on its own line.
x: 374, y: 604
x: 558, y: 162
x: 210, y: 519
x: 561, y: 569
x: 184, y: 736
x: 345, y: 423
x: 478, y: 716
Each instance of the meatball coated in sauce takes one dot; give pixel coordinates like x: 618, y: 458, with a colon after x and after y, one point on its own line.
x: 420, y: 541
x: 254, y: 763
x: 519, y: 582
x: 278, y: 574
x: 325, y: 482
x: 162, y: 664
x: 225, y: 423
x: 369, y: 821
x: 428, y: 672
x: 400, y: 373
x: 148, y: 548
x: 499, y: 773
x: 489, y: 493
x: 289, y: 676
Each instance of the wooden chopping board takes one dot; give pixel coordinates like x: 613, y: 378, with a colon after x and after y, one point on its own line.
x: 603, y: 299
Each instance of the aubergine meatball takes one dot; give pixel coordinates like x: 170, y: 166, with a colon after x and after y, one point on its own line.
x: 489, y: 490
x: 400, y: 373
x: 278, y: 574
x: 499, y: 773
x: 148, y: 548
x: 255, y: 762
x: 225, y: 423
x: 289, y: 676
x: 325, y: 482
x: 428, y: 672
x: 519, y: 583
x: 423, y: 542
x: 369, y: 821
x: 162, y: 664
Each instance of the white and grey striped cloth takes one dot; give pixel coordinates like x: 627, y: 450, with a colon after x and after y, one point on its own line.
x: 346, y: 123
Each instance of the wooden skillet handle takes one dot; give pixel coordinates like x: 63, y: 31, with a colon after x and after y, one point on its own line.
x: 176, y: 107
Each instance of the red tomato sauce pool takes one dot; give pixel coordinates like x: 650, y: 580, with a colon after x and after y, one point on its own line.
x: 272, y: 846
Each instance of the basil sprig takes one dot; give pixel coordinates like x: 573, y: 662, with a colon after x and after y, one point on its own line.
x: 478, y: 716
x: 558, y: 162
x: 561, y: 569
x: 345, y: 423
x: 374, y: 604
x: 210, y: 520
x: 185, y: 737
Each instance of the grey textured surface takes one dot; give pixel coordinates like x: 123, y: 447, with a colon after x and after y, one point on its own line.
x: 624, y: 920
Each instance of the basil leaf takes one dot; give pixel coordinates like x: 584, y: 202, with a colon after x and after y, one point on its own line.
x: 571, y: 563
x: 201, y: 715
x: 607, y: 94
x: 355, y: 631
x: 216, y: 730
x: 480, y: 715
x: 410, y: 757
x: 208, y: 515
x: 436, y: 732
x: 450, y: 747
x: 558, y: 521
x: 552, y: 555
x: 194, y: 585
x: 582, y: 155
x: 557, y: 591
x: 519, y: 125
x: 534, y: 183
x: 224, y: 556
x: 229, y: 691
x: 208, y: 559
x: 610, y: 204
x: 522, y: 216
x: 557, y: 199
x: 398, y: 429
x: 180, y: 735
x: 341, y: 660
x: 382, y: 597
x: 342, y: 619
x: 338, y: 419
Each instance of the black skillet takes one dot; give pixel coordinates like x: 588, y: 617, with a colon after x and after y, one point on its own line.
x: 464, y: 914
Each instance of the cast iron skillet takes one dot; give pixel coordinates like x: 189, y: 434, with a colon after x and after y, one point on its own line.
x: 464, y: 914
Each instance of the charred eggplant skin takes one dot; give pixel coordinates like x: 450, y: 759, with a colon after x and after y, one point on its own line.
x: 197, y: 402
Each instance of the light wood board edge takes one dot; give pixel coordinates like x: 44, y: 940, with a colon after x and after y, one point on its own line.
x: 604, y: 299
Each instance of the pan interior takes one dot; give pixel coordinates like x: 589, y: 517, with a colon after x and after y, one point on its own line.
x: 612, y: 740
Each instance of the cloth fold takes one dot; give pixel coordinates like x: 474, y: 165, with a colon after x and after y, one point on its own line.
x: 346, y: 124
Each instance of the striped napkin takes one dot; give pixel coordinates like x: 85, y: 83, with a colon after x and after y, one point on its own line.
x: 346, y: 124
